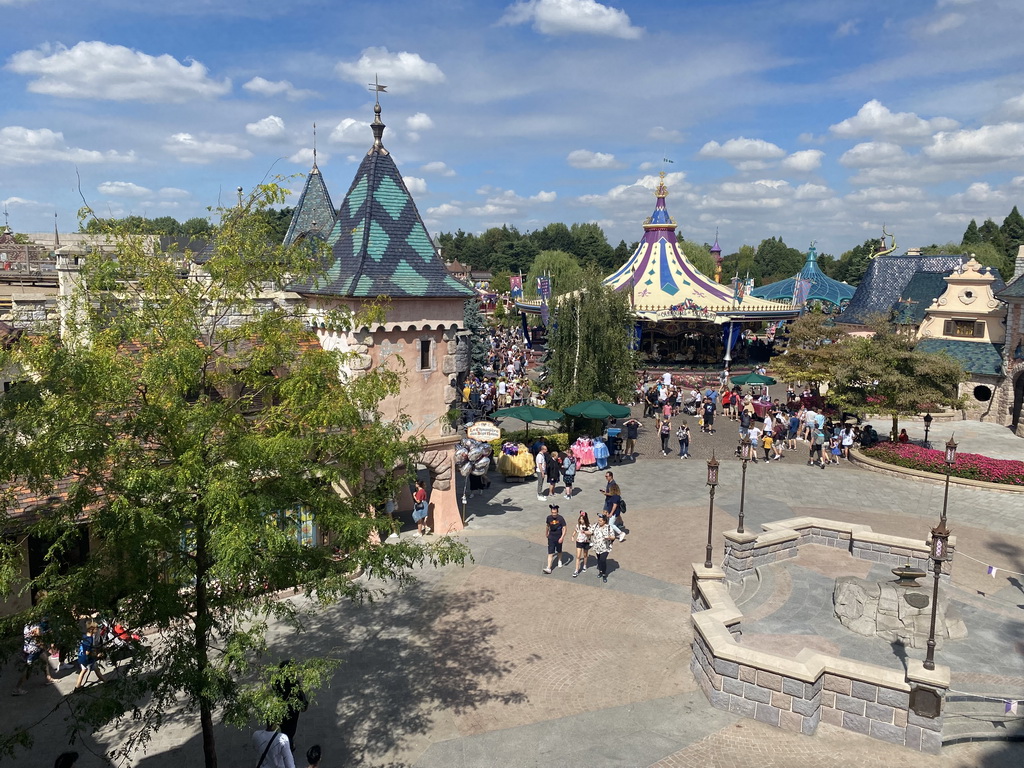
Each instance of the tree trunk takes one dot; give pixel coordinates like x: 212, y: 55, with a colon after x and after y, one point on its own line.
x: 894, y: 435
x: 201, y: 655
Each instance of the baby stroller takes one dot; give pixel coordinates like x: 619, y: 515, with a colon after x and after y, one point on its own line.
x: 115, y: 642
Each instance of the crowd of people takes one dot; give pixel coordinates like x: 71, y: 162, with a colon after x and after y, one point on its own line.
x: 595, y: 538
x: 504, y: 381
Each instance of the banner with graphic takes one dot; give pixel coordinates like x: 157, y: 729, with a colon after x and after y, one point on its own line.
x: 544, y: 287
x: 516, y: 282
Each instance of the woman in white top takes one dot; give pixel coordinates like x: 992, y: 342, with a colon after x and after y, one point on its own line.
x: 583, y: 529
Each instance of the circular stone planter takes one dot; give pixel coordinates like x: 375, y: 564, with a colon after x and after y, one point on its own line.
x: 875, y: 465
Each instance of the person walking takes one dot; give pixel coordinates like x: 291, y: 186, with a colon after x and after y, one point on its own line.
x: 613, y: 503
x: 87, y: 655
x: 583, y: 529
x: 766, y: 443
x: 632, y: 427
x: 817, y: 444
x: 601, y: 539
x: 34, y: 649
x: 569, y: 473
x: 554, y: 526
x: 553, y: 469
x: 420, y: 509
x: 665, y: 430
x: 313, y: 756
x: 683, y: 436
x: 273, y: 747
x: 542, y: 467
x: 290, y: 691
x: 847, y: 441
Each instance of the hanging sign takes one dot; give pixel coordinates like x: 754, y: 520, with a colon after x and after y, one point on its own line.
x: 484, y: 431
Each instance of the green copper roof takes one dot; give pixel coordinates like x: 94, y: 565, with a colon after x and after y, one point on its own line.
x: 975, y: 356
x: 314, y: 212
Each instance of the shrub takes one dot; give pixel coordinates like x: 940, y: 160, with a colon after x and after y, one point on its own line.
x: 972, y: 466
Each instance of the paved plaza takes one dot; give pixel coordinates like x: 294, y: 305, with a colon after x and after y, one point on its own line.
x: 498, y: 664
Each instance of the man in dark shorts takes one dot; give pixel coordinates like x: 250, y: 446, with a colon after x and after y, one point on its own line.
x: 555, y: 528
x: 817, y: 442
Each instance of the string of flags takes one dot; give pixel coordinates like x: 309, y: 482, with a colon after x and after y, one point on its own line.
x: 1010, y: 707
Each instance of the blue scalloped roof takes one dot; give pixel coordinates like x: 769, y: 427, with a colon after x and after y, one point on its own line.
x: 823, y: 287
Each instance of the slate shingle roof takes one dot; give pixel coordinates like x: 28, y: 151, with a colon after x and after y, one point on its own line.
x: 885, y: 280
x: 1015, y: 290
x: 314, y: 212
x: 917, y: 296
x: 379, y: 245
x: 975, y: 356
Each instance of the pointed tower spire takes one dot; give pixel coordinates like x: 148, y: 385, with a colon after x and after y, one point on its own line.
x: 315, y: 169
x: 377, y: 126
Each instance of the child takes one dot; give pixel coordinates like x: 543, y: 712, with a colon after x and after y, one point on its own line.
x: 766, y: 443
x: 835, y: 448
x: 87, y: 655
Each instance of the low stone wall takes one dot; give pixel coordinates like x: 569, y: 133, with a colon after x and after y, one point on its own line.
x: 746, y: 551
x: 796, y: 693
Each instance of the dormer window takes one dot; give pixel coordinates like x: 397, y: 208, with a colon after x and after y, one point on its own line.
x: 964, y: 329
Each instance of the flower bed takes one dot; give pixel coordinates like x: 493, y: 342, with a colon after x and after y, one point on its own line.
x: 972, y: 466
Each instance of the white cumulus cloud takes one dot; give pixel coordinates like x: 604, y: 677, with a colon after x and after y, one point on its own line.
x: 437, y: 167
x: 188, y: 149
x: 804, y: 160
x: 264, y: 87
x: 945, y: 23
x: 350, y: 131
x: 401, y: 72
x: 876, y: 120
x: 419, y: 122
x: 873, y: 154
x: 743, y: 153
x: 567, y: 17
x: 123, y: 189
x: 584, y: 158
x: 544, y: 197
x: 305, y: 157
x: 982, y: 145
x: 97, y: 70
x: 445, y: 209
x: 32, y: 146
x: 415, y: 185
x: 270, y: 127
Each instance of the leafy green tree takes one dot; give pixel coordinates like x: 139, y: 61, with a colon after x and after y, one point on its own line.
x: 854, y: 263
x: 479, y: 344
x: 740, y: 263
x: 623, y: 252
x: 991, y: 233
x: 590, y: 343
x: 971, y: 234
x: 590, y: 246
x: 985, y: 253
x: 553, y: 237
x: 1012, y: 231
x: 814, y: 346
x: 193, y: 429
x: 884, y: 374
x: 698, y: 255
x: 500, y: 282
x: 197, y: 227
x: 775, y: 260
x: 564, y: 270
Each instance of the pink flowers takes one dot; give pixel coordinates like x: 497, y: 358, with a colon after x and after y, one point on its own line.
x: 972, y: 466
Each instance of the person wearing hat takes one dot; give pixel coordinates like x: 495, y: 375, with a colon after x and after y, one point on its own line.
x: 555, y: 529
x: 601, y: 538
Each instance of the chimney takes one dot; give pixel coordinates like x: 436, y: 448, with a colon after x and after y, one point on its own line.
x: 1018, y: 266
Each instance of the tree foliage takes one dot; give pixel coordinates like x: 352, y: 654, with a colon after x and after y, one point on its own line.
x: 814, y: 346
x: 883, y: 373
x: 698, y: 255
x: 479, y: 343
x: 590, y: 343
x: 191, y: 426
x: 563, y: 268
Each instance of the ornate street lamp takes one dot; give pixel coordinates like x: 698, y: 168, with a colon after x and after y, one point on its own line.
x: 746, y: 453
x: 939, y: 554
x: 950, y: 461
x: 927, y: 426
x: 712, y: 482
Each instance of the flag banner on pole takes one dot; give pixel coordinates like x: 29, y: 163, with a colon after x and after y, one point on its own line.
x: 516, y: 282
x: 992, y: 571
x: 801, y: 291
x: 544, y: 287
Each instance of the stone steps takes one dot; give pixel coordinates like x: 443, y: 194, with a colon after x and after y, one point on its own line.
x: 742, y: 591
x: 976, y: 718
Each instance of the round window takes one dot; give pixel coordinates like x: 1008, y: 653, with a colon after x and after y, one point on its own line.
x: 982, y: 393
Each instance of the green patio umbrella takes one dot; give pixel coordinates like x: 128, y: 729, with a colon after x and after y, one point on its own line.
x: 747, y: 379
x: 527, y: 413
x: 597, y: 409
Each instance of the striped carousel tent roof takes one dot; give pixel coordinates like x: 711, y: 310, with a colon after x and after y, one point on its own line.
x: 664, y: 284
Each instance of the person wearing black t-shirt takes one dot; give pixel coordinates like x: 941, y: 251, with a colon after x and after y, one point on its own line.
x: 554, y: 526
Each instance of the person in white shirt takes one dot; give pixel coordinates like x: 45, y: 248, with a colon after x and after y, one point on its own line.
x: 755, y: 438
x: 273, y: 747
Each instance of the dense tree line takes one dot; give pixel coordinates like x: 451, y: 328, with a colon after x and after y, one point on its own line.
x: 275, y: 220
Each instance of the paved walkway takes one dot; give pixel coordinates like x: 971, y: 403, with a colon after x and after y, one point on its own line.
x: 497, y: 663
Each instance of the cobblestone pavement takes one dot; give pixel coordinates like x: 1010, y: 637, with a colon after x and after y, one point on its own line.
x: 497, y: 663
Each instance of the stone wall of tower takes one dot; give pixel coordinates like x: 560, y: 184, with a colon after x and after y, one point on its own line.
x: 1013, y: 368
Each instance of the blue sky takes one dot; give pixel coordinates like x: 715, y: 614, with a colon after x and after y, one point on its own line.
x: 812, y: 120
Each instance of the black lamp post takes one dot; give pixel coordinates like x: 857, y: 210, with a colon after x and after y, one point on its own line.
x: 712, y: 482
x: 939, y: 553
x: 950, y: 461
x: 746, y: 451
x: 927, y: 426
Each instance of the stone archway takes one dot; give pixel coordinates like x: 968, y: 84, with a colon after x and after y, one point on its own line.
x: 445, y: 516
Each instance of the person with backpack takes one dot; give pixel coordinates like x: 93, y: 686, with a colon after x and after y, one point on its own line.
x: 817, y: 445
x: 274, y: 748
x: 569, y: 473
x: 665, y: 430
x: 683, y: 436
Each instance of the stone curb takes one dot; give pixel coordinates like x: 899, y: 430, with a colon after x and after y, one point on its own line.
x: 875, y: 465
